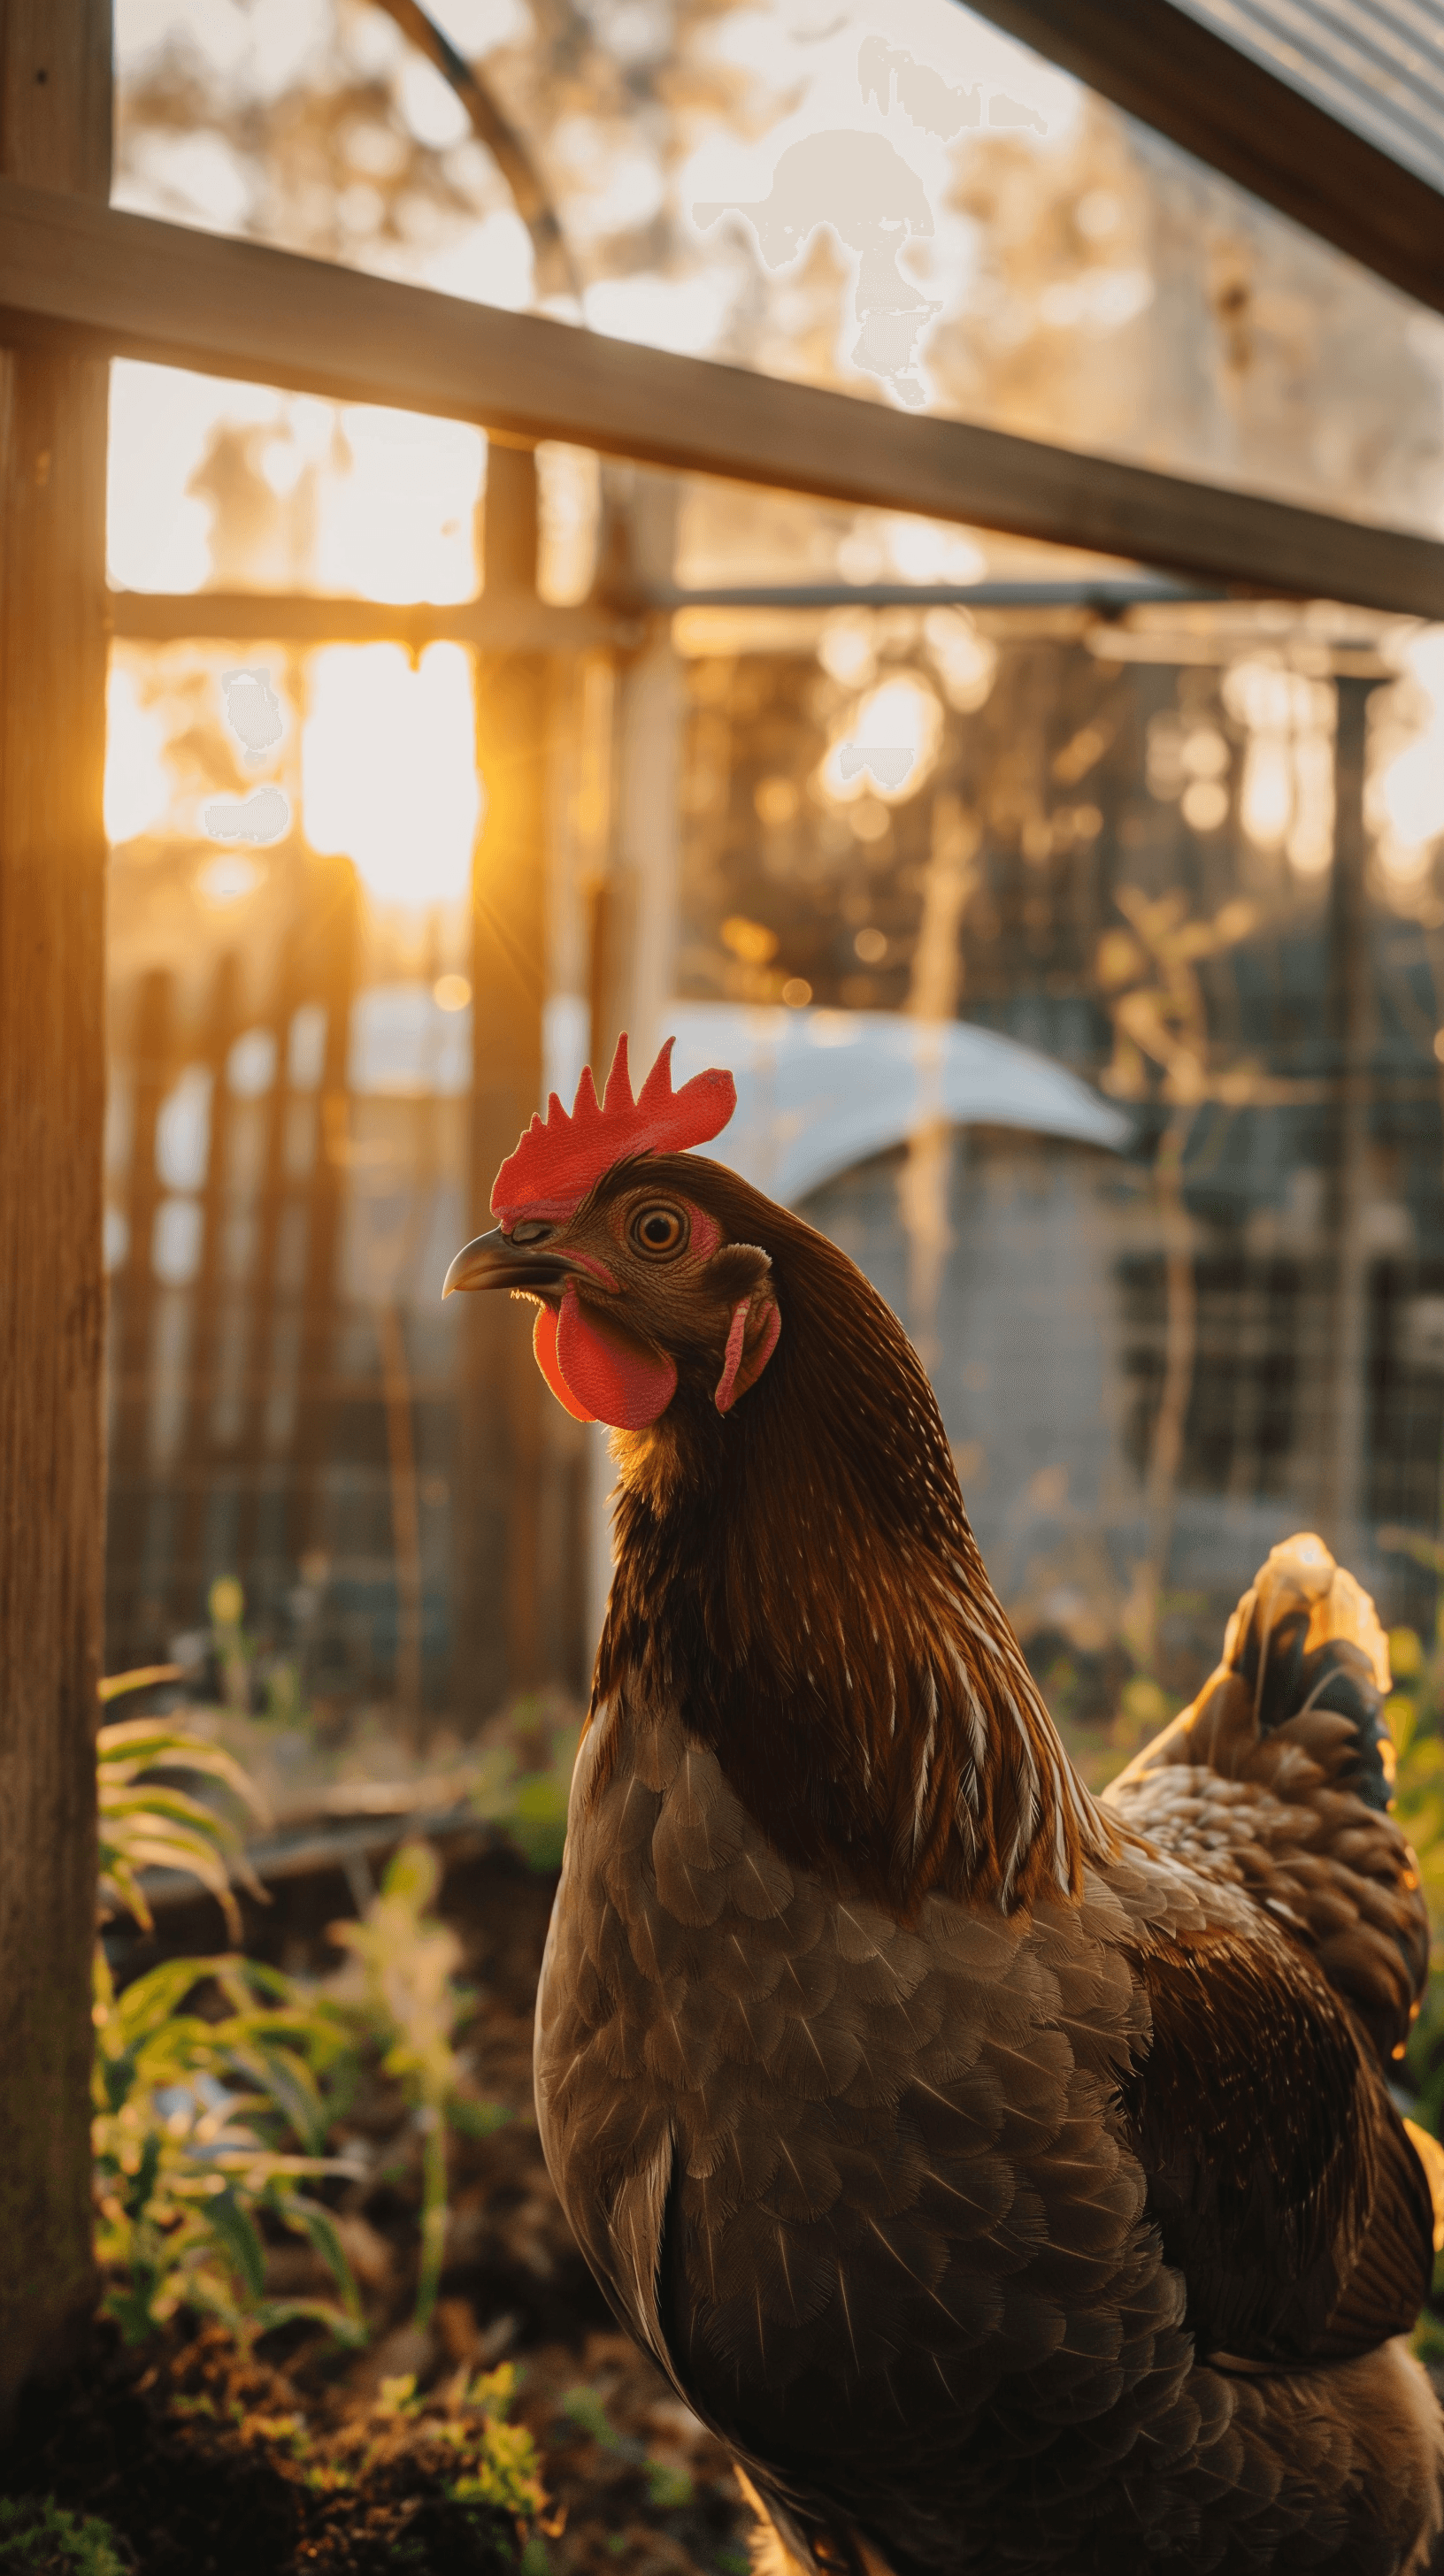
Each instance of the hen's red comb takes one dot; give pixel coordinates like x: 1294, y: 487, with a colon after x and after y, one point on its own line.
x: 560, y: 1158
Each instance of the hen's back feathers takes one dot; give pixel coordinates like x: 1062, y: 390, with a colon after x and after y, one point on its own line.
x: 1277, y: 1777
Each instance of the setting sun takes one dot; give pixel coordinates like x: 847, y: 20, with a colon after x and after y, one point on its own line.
x: 388, y: 769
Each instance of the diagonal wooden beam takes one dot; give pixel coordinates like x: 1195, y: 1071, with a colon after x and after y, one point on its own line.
x: 139, y: 288
x: 1226, y: 108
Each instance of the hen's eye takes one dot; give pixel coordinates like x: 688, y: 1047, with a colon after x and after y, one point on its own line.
x: 659, y: 1229
x: 531, y: 1230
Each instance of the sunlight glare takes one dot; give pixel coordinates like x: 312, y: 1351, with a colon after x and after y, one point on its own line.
x: 925, y: 550
x: 369, y: 502
x: 397, y: 522
x: 138, y: 782
x: 685, y: 315
x: 901, y: 722
x: 388, y: 768
x: 227, y: 880
x: 163, y: 423
x: 1286, y: 796
x: 493, y: 262
x: 1413, y: 792
x: 1407, y: 789
x: 966, y: 662
x: 1266, y: 800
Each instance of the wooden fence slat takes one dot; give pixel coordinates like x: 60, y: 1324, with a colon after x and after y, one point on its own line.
x: 328, y: 966
x: 132, y: 1634
x: 213, y: 1301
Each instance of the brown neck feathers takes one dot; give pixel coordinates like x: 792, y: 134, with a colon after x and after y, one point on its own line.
x: 800, y: 1584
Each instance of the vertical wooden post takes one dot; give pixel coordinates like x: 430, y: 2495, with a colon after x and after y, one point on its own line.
x: 500, y: 1646
x: 54, y: 132
x: 634, y: 912
x: 1341, y: 1388
x: 633, y: 967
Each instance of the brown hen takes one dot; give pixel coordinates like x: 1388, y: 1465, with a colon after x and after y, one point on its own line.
x: 1011, y: 2178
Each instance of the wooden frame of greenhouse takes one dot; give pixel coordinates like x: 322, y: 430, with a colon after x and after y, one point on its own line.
x: 80, y: 284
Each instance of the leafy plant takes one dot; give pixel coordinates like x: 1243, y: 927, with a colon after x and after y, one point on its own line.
x: 403, y: 1985
x: 203, y: 2130
x: 203, y: 2126
x: 496, y: 2461
x: 457, y: 2436
x: 1415, y: 1714
x: 145, y: 1824
x: 523, y: 1780
x: 209, y: 2122
x: 37, y: 2538
x: 250, y: 1678
x: 493, y: 2462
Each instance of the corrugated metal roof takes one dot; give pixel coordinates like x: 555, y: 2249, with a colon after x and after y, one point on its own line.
x: 1376, y: 65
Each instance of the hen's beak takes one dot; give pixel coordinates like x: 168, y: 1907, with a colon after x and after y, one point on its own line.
x: 492, y: 1262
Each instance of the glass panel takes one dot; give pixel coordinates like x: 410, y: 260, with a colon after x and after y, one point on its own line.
x: 730, y: 535
x: 1080, y: 968
x: 221, y: 486
x: 1193, y: 859
x: 1166, y: 1227
x: 287, y: 1151
x: 905, y: 204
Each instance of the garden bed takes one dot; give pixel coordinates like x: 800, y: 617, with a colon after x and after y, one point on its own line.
x: 300, y: 2454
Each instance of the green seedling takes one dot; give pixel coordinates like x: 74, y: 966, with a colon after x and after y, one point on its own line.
x: 226, y: 1603
x: 669, y: 2486
x: 402, y: 1985
x: 586, y: 2411
x: 38, y: 2538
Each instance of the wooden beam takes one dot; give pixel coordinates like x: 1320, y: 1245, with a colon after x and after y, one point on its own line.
x: 507, y: 625
x: 152, y: 290
x: 55, y: 131
x: 1224, y: 107
x: 512, y: 623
